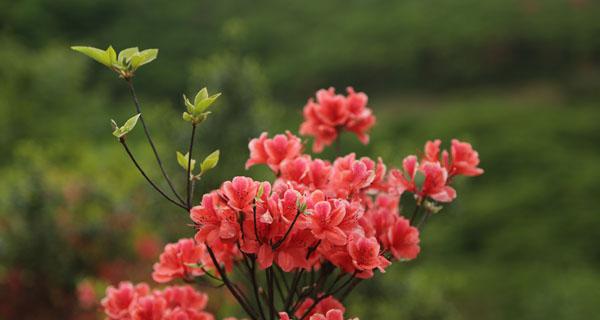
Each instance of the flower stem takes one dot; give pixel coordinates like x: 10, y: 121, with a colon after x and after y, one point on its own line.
x: 138, y: 108
x: 137, y: 165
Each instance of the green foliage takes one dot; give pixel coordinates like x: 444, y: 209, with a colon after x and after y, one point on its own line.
x: 210, y: 162
x: 120, y: 132
x: 196, y: 112
x: 125, y: 64
x: 183, y: 161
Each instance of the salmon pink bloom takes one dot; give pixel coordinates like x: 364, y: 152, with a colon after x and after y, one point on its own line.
x: 322, y: 307
x: 434, y: 184
x: 258, y: 155
x: 350, y: 175
x: 120, y: 302
x: 403, y: 240
x: 325, y: 220
x: 296, y: 170
x: 150, y: 307
x: 361, y: 126
x: 273, y: 151
x: 185, y: 297
x: 319, y: 172
x: 432, y: 150
x: 464, y: 159
x: 334, y: 314
x: 331, y: 113
x: 175, y: 262
x: 240, y: 193
x: 215, y: 220
x: 365, y: 254
x: 331, y: 109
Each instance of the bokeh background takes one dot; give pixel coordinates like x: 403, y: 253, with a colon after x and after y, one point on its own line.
x: 520, y: 79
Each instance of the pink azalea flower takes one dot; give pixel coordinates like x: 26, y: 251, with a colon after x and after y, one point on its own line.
x: 365, y: 254
x: 215, y: 220
x: 325, y: 220
x: 403, y: 240
x: 240, y: 193
x: 273, y: 151
x: 150, y: 307
x: 120, y: 302
x: 434, y: 184
x: 334, y: 314
x: 258, y: 155
x: 175, y: 261
x: 331, y: 113
x: 324, y: 306
x: 185, y: 297
x: 464, y: 159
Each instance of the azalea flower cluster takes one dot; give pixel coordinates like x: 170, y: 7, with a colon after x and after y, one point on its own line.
x: 331, y: 113
x: 339, y: 219
x: 138, y: 302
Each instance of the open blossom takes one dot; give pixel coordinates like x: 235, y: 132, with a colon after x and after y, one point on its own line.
x: 403, y: 240
x: 214, y: 220
x: 240, y: 193
x: 121, y: 301
x: 273, y: 151
x: 434, y: 185
x: 350, y: 175
x: 325, y: 220
x: 365, y: 254
x: 175, y: 262
x: 322, y: 307
x: 150, y: 307
x: 129, y: 302
x: 331, y: 112
x: 464, y: 159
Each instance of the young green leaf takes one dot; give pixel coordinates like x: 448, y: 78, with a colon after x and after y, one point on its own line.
x: 112, y: 55
x: 94, y: 53
x: 188, y: 105
x: 187, y: 117
x: 210, y: 161
x: 201, y: 95
x: 127, y: 127
x: 183, y: 161
x: 207, y: 102
x: 143, y: 57
x: 126, y: 54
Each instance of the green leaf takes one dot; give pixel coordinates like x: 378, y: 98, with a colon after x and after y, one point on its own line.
x: 189, y: 106
x: 131, y: 122
x: 112, y: 55
x: 127, y: 127
x: 207, y: 102
x: 126, y: 54
x: 183, y: 161
x: 187, y: 117
x: 94, y: 53
x: 201, y: 95
x: 143, y: 57
x: 210, y: 161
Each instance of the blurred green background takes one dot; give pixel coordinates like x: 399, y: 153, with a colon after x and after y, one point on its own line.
x: 520, y: 79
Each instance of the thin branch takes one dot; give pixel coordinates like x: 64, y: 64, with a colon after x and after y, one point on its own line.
x: 138, y: 108
x: 287, y: 233
x: 189, y: 169
x: 237, y: 295
x: 137, y: 165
